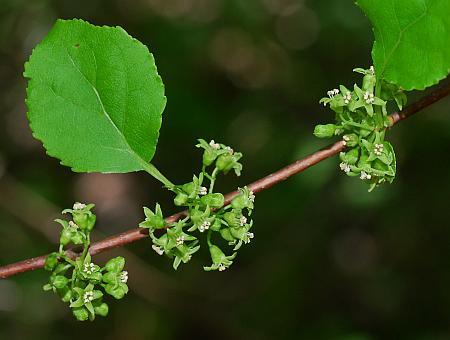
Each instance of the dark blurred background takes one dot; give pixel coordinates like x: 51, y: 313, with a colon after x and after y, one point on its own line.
x: 329, y: 260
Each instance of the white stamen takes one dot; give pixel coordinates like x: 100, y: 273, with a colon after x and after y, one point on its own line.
x: 347, y: 97
x: 214, y: 145
x: 372, y: 70
x: 180, y: 240
x: 73, y: 225
x: 222, y: 267
x: 332, y: 93
x: 345, y: 167
x: 369, y: 97
x: 205, y: 226
x: 88, y: 297
x: 203, y: 191
x: 251, y: 196
x: 243, y: 220
x: 79, y: 206
x: 124, y: 277
x: 230, y: 150
x: 365, y: 175
x: 249, y: 237
x: 89, y: 268
x: 378, y: 149
x: 158, y: 250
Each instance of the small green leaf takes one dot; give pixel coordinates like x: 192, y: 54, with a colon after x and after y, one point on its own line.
x: 95, y: 98
x: 411, y: 47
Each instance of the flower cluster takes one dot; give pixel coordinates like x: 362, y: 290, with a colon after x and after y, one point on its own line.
x: 362, y: 121
x: 80, y: 282
x: 207, y: 213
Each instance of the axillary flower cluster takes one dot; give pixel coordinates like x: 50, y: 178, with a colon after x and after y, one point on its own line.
x: 80, y: 282
x: 207, y: 213
x: 362, y: 121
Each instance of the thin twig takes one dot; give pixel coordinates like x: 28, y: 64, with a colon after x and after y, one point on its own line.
x: 137, y: 234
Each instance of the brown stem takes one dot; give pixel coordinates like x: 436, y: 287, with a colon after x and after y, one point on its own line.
x: 264, y: 183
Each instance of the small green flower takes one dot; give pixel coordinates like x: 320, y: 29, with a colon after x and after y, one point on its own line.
x: 229, y: 161
x: 82, y: 215
x: 235, y: 218
x: 56, y: 282
x: 115, y: 278
x: 245, y: 199
x: 153, y: 220
x: 51, y: 261
x: 215, y: 200
x: 201, y: 219
x: 194, y: 188
x: 85, y: 298
x: 212, y: 150
x: 71, y: 233
x: 238, y: 236
x: 325, y: 131
x: 88, y: 270
x: 220, y: 260
x: 176, y: 237
x: 183, y: 253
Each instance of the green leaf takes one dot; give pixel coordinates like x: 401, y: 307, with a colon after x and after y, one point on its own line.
x: 412, y: 46
x: 95, y: 98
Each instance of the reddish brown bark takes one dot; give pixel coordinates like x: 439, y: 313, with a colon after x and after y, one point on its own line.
x: 136, y: 234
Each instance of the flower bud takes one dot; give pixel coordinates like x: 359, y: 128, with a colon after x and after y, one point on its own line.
x: 102, y: 310
x: 213, y: 200
x: 59, y: 281
x: 110, y: 277
x: 117, y: 291
x: 351, y: 140
x: 115, y: 265
x: 155, y: 222
x: 226, y: 235
x: 51, y: 261
x: 216, y: 253
x: 363, y: 159
x: 65, y: 294
x: 95, y: 277
x: 77, y: 238
x: 189, y: 188
x: 225, y: 162
x: 350, y: 157
x: 216, y: 225
x: 80, y: 313
x: 181, y: 199
x: 66, y: 236
x: 238, y: 232
x: 85, y: 220
x: 209, y: 156
x: 325, y: 131
x: 231, y: 218
x: 369, y: 82
x: 196, y: 215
